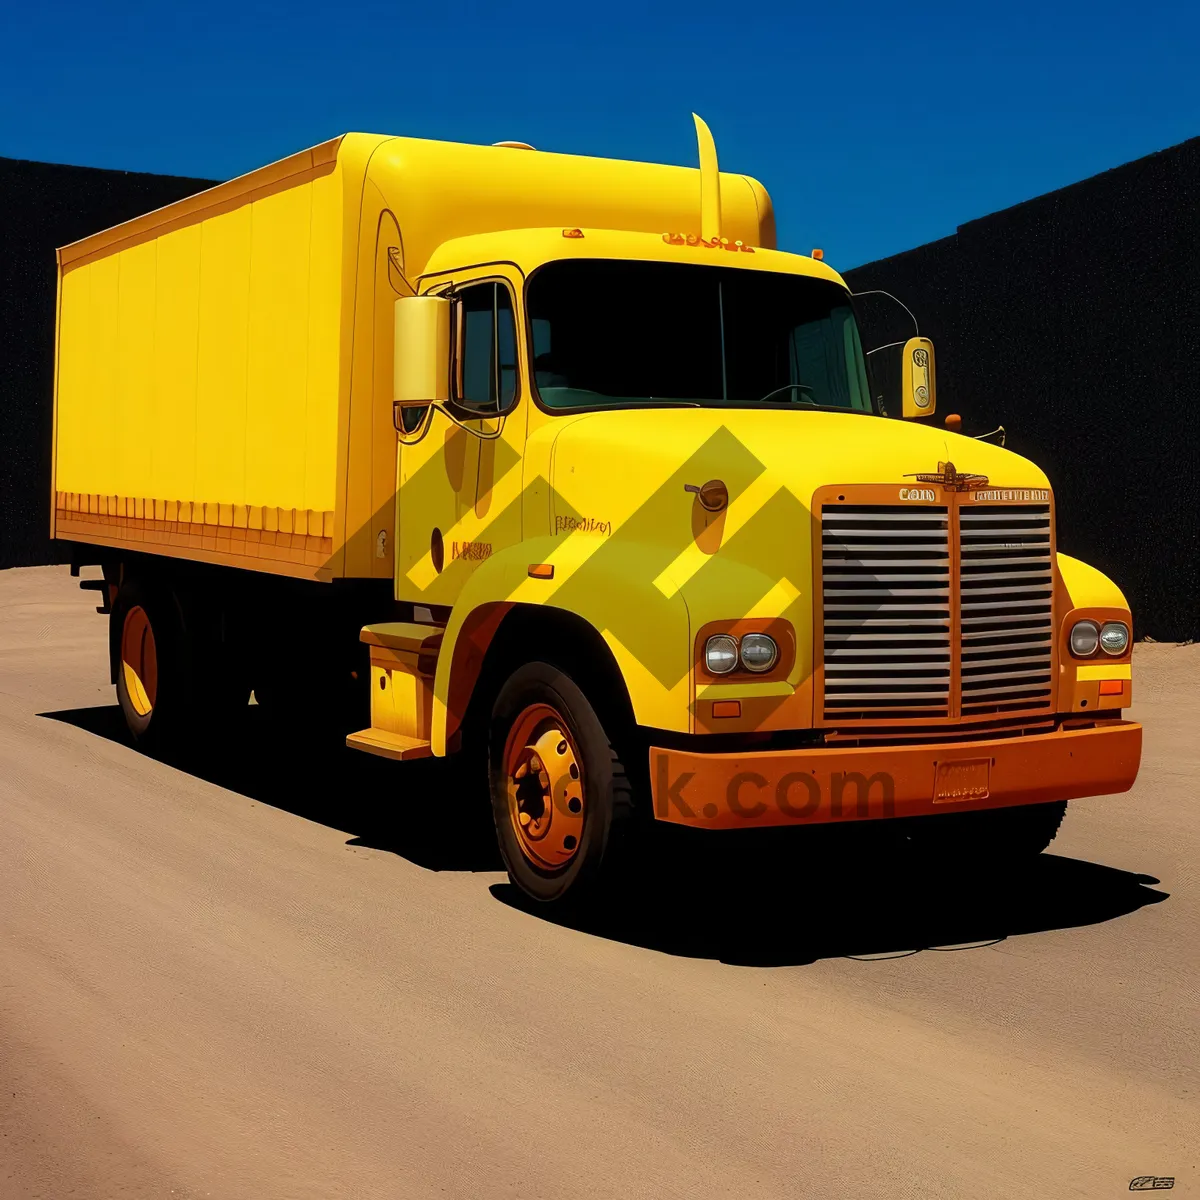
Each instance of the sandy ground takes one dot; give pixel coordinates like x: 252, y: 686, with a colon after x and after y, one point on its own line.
x: 288, y: 975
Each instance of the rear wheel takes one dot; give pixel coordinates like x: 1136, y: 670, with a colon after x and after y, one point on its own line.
x: 179, y: 679
x: 139, y: 664
x: 561, y: 798
x: 152, y: 680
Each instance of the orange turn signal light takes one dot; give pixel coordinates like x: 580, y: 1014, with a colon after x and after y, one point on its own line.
x: 541, y: 570
x: 1111, y: 687
x: 727, y: 708
x: 572, y: 233
x: 818, y: 255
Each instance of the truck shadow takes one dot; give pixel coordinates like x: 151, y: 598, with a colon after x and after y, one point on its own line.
x: 398, y: 808
x: 815, y: 894
x: 849, y: 899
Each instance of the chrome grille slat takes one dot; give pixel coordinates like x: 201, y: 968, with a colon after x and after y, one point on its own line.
x: 918, y: 672
x: 989, y: 576
x: 881, y: 623
x: 839, y: 518
x: 891, y: 547
x: 976, y: 522
x: 868, y: 593
x: 874, y: 653
x: 1006, y: 603
x: 973, y: 682
x: 886, y: 590
x: 1023, y: 688
x: 875, y: 608
x: 871, y: 571
x: 929, y: 695
x: 975, y: 596
x: 1012, y: 660
x: 1042, y: 640
x: 1033, y: 620
x: 1006, y: 562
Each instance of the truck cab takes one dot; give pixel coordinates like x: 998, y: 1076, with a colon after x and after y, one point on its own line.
x: 747, y: 595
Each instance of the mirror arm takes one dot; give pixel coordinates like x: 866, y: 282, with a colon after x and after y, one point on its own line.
x: 396, y: 261
x: 483, y: 437
x: 407, y: 437
x: 881, y: 292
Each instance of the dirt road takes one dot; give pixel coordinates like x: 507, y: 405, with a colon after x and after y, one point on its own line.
x: 290, y: 975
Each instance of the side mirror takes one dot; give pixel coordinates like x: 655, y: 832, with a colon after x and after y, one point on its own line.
x: 918, y: 389
x: 420, y: 354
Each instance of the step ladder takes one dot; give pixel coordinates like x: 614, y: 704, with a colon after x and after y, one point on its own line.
x: 403, y: 663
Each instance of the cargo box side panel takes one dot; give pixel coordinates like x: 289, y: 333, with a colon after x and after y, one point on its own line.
x: 198, y: 389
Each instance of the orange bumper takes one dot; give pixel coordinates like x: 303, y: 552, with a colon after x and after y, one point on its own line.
x: 793, y: 787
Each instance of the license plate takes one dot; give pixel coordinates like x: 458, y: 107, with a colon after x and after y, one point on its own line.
x: 958, y: 782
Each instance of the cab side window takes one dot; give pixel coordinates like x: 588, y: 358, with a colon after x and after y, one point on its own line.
x: 488, y: 346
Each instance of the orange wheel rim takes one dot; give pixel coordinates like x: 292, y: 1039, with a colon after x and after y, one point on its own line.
x: 139, y: 661
x: 545, y: 787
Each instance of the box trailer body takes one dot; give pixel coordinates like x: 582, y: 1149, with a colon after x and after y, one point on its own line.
x: 224, y: 377
x: 559, y: 464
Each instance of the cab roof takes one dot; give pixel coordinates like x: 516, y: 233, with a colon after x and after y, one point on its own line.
x: 527, y: 249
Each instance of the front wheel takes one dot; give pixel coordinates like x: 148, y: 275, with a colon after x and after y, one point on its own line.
x: 995, y: 837
x: 561, y: 798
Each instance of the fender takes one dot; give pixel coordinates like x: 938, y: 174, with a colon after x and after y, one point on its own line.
x: 1087, y: 587
x: 607, y: 583
x: 1086, y: 593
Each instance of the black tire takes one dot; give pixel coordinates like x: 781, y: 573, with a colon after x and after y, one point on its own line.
x: 164, y: 724
x: 996, y: 837
x: 598, y: 864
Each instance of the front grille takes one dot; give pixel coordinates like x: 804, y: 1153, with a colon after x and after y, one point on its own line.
x: 1006, y: 590
x: 886, y: 605
x: 935, y: 612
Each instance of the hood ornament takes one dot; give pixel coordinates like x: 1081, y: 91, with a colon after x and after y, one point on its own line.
x: 950, y: 478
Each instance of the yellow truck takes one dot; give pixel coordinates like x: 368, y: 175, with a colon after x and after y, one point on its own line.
x: 568, y: 469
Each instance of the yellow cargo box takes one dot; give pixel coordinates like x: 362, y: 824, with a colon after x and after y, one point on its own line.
x: 224, y: 366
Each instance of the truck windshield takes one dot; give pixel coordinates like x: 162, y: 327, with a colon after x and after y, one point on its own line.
x: 621, y: 334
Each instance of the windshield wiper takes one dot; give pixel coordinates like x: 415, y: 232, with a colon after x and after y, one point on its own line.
x: 790, y: 387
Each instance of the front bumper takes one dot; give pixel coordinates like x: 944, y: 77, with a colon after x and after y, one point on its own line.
x: 797, y: 787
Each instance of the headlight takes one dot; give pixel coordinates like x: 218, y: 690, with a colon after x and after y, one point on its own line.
x: 1114, y: 638
x: 1085, y: 638
x: 721, y: 654
x: 759, y: 652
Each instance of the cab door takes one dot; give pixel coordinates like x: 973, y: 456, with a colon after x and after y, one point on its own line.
x: 458, y: 487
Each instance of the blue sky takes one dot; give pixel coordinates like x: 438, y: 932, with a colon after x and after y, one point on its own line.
x: 875, y: 127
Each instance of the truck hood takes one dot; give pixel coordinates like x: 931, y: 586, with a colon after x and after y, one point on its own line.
x: 621, y: 475
x: 614, y: 463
